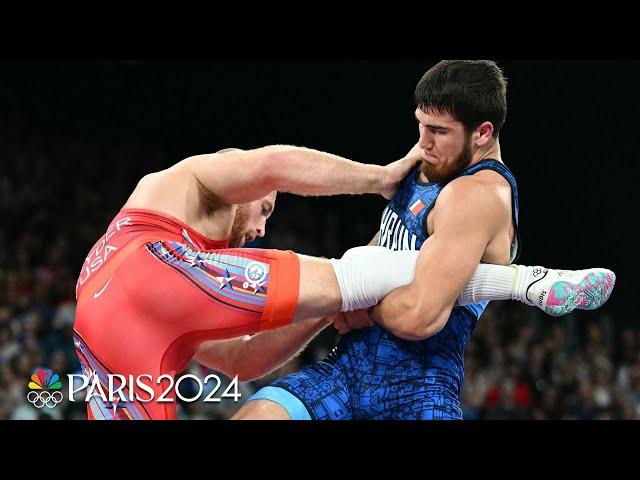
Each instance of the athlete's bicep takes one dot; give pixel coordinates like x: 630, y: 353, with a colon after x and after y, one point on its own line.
x: 464, y: 223
x: 234, y: 176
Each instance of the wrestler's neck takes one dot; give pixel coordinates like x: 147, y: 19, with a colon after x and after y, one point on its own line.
x: 490, y: 150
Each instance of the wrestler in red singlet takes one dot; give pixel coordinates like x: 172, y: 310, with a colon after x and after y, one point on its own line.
x: 152, y: 289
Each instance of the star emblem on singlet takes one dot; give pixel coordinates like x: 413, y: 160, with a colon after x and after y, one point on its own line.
x: 258, y: 287
x: 197, y: 261
x: 226, y: 280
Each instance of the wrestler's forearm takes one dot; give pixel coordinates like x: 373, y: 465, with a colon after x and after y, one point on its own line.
x: 243, y: 176
x: 252, y: 357
x: 306, y: 171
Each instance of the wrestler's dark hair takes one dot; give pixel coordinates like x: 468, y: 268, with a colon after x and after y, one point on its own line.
x: 471, y: 91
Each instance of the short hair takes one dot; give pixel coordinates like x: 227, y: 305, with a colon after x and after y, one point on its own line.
x: 472, y: 91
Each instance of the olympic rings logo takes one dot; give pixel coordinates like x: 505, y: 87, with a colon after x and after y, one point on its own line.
x: 40, y: 399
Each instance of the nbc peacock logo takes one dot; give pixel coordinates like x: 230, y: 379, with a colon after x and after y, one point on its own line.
x: 43, y: 380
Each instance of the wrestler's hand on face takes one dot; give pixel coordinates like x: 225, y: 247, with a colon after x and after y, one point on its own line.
x: 396, y: 172
x: 347, y: 321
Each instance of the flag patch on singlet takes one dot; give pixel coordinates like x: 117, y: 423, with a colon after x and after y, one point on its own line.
x: 416, y: 207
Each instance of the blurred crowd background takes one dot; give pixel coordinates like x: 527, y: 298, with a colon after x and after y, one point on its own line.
x: 66, y: 171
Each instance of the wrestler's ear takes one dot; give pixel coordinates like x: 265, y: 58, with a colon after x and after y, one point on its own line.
x: 483, y: 134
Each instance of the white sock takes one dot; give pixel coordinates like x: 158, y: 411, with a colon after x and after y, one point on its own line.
x: 526, y: 277
x: 498, y: 282
x: 366, y: 274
